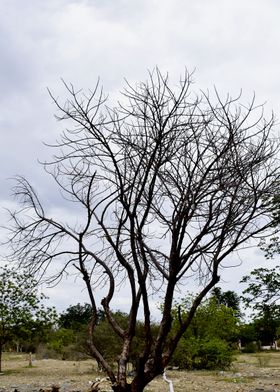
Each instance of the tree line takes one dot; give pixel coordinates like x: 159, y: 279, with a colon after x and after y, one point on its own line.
x: 216, y: 332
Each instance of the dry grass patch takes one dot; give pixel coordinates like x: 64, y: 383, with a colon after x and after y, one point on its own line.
x: 247, y: 373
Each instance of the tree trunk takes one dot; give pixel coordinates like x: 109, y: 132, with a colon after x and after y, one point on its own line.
x: 133, y: 387
x: 129, y: 388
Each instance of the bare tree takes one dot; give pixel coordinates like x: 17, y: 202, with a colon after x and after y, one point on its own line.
x: 169, y: 183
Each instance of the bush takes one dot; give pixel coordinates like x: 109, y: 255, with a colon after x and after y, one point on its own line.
x: 251, y: 347
x: 203, y: 354
x: 69, y: 353
x: 215, y: 354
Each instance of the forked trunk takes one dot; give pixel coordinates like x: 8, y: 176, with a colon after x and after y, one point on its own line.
x: 135, y: 387
x: 125, y: 388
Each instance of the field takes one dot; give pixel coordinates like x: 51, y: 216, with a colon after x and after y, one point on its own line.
x: 249, y: 371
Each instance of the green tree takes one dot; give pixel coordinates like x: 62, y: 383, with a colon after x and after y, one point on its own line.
x: 211, y: 338
x: 75, y: 316
x: 247, y: 334
x: 166, y: 185
x: 35, y: 332
x: 61, y: 339
x: 20, y: 306
x: 228, y: 298
x: 75, y: 321
x: 267, y: 325
x: 262, y: 295
x: 263, y: 288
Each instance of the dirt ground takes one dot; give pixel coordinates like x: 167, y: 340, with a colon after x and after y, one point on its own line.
x: 247, y: 373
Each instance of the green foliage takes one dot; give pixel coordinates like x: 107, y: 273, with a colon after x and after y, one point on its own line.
x: 212, y: 320
x: 263, y: 288
x: 75, y: 316
x: 20, y: 307
x: 71, y: 339
x: 106, y: 341
x: 72, y: 336
x: 263, y: 329
x: 66, y: 344
x: 247, y: 333
x: 210, y: 340
x: 61, y: 338
x: 262, y: 294
x: 208, y: 354
x: 110, y: 344
x: 251, y: 347
x: 228, y: 298
x: 266, y: 325
x: 214, y: 354
x: 32, y: 334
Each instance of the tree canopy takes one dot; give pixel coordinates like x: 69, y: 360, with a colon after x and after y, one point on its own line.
x: 168, y: 184
x: 263, y: 288
x: 75, y: 316
x: 262, y: 296
x: 20, y: 306
x: 228, y: 298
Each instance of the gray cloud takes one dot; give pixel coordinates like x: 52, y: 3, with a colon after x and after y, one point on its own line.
x: 232, y: 44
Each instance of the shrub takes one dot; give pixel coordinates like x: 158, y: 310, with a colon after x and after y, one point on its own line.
x: 215, y: 354
x: 203, y: 354
x: 251, y: 347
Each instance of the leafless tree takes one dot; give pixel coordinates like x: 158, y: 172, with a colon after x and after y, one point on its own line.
x: 169, y: 183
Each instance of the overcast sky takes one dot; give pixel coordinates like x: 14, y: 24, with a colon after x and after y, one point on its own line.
x: 232, y: 44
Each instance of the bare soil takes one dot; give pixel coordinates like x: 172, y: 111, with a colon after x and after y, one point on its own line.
x: 248, y: 372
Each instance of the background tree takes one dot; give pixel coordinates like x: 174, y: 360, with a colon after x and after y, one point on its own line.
x: 110, y: 344
x: 248, y: 337
x: 76, y: 316
x: 33, y: 334
x: 63, y: 343
x: 70, y: 340
x: 211, y: 339
x: 166, y: 185
x: 263, y: 288
x: 266, y: 325
x: 19, y: 306
x: 228, y: 298
x: 262, y: 295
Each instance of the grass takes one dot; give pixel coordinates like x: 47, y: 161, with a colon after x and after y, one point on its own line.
x: 7, y: 356
x: 236, y: 380
x: 8, y: 372
x: 17, y: 370
x: 264, y: 359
